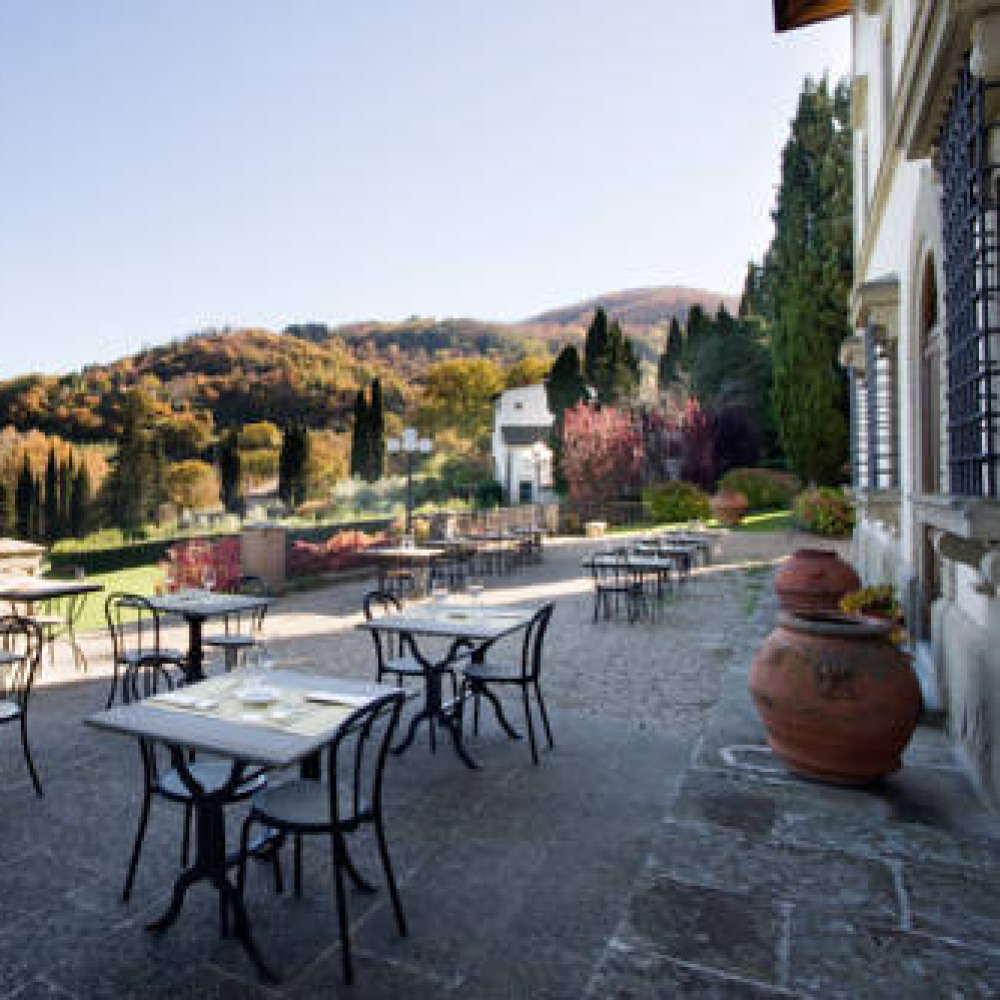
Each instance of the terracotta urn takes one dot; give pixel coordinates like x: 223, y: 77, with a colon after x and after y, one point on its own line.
x: 814, y: 580
x: 838, y: 699
x: 729, y: 506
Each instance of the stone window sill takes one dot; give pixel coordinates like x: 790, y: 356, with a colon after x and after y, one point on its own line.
x: 968, y: 518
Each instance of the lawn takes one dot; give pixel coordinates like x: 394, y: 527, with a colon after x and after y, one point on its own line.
x: 137, y: 580
x: 768, y: 520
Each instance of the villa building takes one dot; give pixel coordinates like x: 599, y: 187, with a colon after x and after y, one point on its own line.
x: 924, y: 361
x: 521, y: 453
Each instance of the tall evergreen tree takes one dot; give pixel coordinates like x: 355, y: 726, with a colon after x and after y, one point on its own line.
x: 65, y: 494
x: 668, y: 365
x: 376, y: 434
x: 564, y: 388
x: 292, y: 464
x: 80, y: 517
x: 37, y: 532
x: 51, y: 513
x: 229, y: 470
x: 135, y: 483
x: 7, y: 518
x: 24, y: 499
x: 595, y: 351
x: 807, y: 279
x: 359, y: 436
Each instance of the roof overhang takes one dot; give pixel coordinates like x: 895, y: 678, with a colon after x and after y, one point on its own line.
x: 789, y: 14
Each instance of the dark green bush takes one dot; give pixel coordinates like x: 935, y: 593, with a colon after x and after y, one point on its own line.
x: 679, y: 501
x: 763, y: 488
x: 825, y: 511
x: 489, y: 493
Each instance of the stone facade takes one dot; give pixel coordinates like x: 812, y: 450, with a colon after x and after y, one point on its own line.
x: 925, y: 523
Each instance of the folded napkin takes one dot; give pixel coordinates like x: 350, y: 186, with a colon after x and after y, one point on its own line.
x: 181, y: 700
x: 332, y: 698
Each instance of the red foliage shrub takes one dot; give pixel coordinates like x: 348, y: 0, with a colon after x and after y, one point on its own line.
x: 341, y: 551
x: 601, y: 455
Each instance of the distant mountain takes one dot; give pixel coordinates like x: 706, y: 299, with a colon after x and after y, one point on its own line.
x: 639, y: 308
x: 311, y: 371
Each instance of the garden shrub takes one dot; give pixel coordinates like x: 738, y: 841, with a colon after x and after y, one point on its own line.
x: 763, y: 488
x: 825, y: 511
x: 679, y: 501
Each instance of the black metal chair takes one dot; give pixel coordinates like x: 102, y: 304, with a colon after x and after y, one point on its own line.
x: 242, y: 628
x: 393, y: 655
x: 615, y: 583
x: 21, y: 643
x: 144, y: 679
x: 479, y: 677
x: 350, y: 799
x: 134, y: 626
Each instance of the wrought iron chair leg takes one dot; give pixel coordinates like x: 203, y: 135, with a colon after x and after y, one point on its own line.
x: 136, y: 847
x: 545, y: 714
x: 360, y: 882
x: 114, y: 687
x: 531, y: 725
x: 383, y: 850
x: 186, y: 836
x: 297, y: 865
x: 341, y: 896
x: 27, y: 756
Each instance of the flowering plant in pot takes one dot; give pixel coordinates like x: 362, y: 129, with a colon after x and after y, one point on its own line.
x: 877, y: 602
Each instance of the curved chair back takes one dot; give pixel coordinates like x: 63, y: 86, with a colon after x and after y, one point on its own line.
x: 381, y: 602
x: 134, y: 625
x: 356, y: 762
x: 534, y: 637
x: 21, y: 639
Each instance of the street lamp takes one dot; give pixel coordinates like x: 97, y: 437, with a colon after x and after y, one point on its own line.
x: 409, y: 444
x: 538, y: 453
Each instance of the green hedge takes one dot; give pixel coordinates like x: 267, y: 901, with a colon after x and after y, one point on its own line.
x: 111, y: 560
x: 825, y: 511
x: 764, y: 489
x: 669, y: 503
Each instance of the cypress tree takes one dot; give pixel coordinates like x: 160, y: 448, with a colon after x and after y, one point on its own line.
x: 292, y: 464
x: 136, y: 480
x: 595, y: 352
x: 65, y: 494
x: 668, y: 366
x: 376, y: 434
x: 80, y: 503
x: 51, y: 513
x: 37, y: 532
x: 359, y: 435
x: 564, y: 388
x: 229, y: 470
x: 24, y: 498
x: 807, y: 280
x: 7, y: 519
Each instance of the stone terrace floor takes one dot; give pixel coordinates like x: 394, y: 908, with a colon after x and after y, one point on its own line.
x: 658, y: 851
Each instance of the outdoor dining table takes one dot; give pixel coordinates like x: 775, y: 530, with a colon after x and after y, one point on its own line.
x: 641, y: 565
x: 31, y: 591
x: 196, y: 607
x: 470, y: 628
x: 219, y: 717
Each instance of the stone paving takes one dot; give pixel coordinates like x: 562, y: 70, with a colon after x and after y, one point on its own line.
x: 658, y: 851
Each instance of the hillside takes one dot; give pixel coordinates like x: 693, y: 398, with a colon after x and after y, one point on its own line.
x: 309, y: 372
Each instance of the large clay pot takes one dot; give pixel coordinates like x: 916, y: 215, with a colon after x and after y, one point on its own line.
x: 814, y: 580
x: 838, y: 699
x: 729, y: 507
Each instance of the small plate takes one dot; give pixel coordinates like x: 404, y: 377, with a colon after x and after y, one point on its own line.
x: 258, y: 696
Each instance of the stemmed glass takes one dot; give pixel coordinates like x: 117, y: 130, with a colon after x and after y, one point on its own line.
x: 208, y: 578
x: 475, y: 588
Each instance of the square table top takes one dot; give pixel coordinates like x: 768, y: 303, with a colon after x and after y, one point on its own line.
x: 402, y: 552
x: 206, y: 603
x: 235, y: 738
x: 27, y: 589
x: 449, y: 620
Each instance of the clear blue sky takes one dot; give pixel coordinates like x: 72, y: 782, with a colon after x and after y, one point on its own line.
x: 166, y: 166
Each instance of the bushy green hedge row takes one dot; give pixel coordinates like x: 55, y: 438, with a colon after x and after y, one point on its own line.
x: 679, y: 501
x: 110, y: 560
x: 764, y: 489
x: 825, y: 511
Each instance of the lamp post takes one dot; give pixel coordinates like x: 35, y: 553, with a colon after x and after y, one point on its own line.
x: 409, y: 444
x: 538, y: 451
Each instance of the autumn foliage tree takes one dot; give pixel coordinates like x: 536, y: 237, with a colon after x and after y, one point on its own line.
x: 602, y: 452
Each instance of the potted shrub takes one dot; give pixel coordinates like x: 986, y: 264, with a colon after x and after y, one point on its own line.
x: 729, y: 506
x: 877, y: 602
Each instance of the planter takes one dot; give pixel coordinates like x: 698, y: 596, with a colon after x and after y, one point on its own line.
x: 838, y: 699
x: 814, y: 580
x: 729, y: 507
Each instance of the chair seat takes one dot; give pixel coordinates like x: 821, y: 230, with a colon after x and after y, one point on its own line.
x: 9, y: 710
x: 134, y: 658
x: 230, y: 641
x: 302, y: 805
x: 405, y: 666
x: 495, y: 673
x: 211, y: 777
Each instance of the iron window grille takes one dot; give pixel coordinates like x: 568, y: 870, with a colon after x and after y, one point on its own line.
x: 969, y: 175
x: 858, y: 428
x: 882, y: 424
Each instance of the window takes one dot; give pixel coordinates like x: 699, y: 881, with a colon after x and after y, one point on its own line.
x: 881, y: 423
x: 932, y: 426
x: 525, y: 491
x: 970, y: 172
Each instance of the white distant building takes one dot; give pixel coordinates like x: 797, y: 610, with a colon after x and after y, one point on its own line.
x: 521, y: 453
x: 924, y: 362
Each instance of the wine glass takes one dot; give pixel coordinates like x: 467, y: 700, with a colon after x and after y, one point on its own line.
x: 208, y: 578
x: 439, y: 590
x: 475, y: 588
